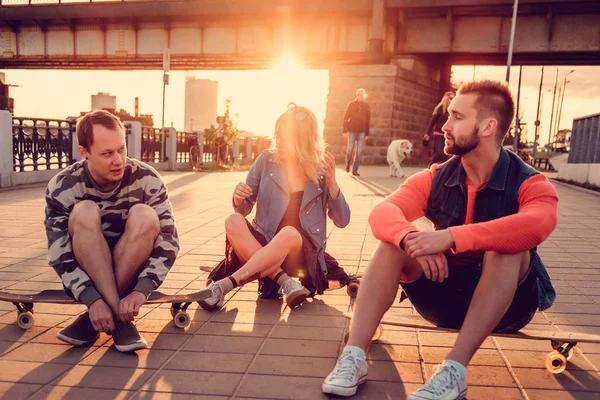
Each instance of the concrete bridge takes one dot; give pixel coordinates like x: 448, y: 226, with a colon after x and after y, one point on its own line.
x: 400, y: 51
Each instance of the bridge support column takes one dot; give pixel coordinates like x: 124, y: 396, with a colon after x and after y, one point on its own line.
x: 401, y: 95
x: 377, y: 28
x: 6, y: 148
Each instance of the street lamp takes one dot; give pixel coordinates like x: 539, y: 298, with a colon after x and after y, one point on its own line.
x: 562, y: 100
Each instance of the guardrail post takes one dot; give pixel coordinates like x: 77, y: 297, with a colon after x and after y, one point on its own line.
x: 134, y: 140
x: 171, y: 151
x: 6, y: 148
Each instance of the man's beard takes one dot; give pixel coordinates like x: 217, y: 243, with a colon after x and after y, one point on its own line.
x: 465, y: 146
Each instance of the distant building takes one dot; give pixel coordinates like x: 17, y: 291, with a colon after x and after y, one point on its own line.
x: 201, y: 103
x: 104, y: 101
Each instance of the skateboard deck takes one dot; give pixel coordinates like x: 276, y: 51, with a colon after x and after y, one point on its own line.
x: 562, y: 342
x: 25, y: 302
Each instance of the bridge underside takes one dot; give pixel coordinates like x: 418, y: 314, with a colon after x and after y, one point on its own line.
x: 94, y: 36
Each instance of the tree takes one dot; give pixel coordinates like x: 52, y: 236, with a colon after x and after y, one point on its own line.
x: 210, y: 134
x: 229, y: 127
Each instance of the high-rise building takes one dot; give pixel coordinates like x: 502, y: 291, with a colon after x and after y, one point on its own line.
x: 104, y: 101
x: 201, y: 104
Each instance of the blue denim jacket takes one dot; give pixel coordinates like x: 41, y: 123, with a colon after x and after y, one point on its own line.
x: 270, y: 192
x: 499, y: 197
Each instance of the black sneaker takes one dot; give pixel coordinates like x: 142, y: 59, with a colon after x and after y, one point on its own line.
x: 79, y: 332
x: 355, y: 173
x: 347, y: 168
x: 127, y: 338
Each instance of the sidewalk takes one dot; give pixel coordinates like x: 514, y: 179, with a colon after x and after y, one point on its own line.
x: 259, y: 349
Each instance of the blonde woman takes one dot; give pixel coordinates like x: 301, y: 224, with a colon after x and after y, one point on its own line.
x: 294, y: 189
x: 438, y: 119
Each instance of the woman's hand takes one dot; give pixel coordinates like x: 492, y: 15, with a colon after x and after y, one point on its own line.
x: 328, y: 168
x: 240, y: 193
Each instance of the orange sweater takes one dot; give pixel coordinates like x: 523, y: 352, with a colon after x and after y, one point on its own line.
x: 391, y: 220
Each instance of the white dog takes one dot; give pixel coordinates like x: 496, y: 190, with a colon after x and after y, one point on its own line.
x: 397, y: 152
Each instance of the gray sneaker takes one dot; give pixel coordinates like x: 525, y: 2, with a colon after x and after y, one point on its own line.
x: 295, y: 293
x: 215, y: 300
x: 127, y: 338
x: 80, y: 332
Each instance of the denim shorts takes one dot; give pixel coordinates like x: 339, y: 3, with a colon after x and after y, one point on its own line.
x: 445, y: 304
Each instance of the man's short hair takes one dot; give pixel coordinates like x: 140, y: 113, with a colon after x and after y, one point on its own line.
x: 85, y: 126
x: 495, y: 100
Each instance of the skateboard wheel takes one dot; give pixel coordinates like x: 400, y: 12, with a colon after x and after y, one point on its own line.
x: 353, y: 289
x: 25, y: 320
x: 556, y: 362
x: 182, y: 319
x: 378, y: 333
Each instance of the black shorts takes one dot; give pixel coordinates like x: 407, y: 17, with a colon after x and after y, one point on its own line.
x: 445, y: 304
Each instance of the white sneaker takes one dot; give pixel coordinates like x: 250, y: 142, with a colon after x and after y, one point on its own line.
x: 448, y: 382
x: 215, y: 300
x: 349, y: 372
x: 295, y: 293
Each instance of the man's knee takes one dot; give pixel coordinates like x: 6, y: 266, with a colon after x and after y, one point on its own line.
x: 235, y: 223
x: 290, y: 237
x: 388, y: 256
x: 86, y: 215
x: 143, y: 220
x: 518, y: 261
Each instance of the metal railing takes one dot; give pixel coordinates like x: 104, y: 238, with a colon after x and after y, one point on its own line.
x: 184, y: 141
x: 42, y: 144
x: 585, y: 140
x: 152, y: 144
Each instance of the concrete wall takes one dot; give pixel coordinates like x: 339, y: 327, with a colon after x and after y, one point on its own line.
x: 580, y: 173
x: 401, y: 95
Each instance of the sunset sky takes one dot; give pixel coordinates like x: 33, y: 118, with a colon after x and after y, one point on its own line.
x: 260, y: 96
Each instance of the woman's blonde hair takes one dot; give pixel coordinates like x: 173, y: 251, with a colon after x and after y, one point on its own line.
x: 442, y: 104
x: 299, y: 125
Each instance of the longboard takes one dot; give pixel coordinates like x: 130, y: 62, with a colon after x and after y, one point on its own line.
x: 351, y: 289
x: 562, y: 342
x: 25, y: 302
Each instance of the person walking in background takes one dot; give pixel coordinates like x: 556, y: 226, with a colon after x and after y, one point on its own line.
x: 356, y: 123
x: 438, y: 119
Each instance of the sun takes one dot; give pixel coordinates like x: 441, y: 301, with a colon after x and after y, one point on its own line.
x: 286, y: 66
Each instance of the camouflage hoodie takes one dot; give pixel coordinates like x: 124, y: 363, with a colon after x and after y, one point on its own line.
x: 141, y: 184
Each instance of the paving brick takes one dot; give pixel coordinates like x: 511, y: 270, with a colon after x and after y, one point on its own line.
x: 77, y: 393
x: 308, y: 333
x: 386, y: 352
x: 483, y: 357
x: 30, y: 372
x: 111, y: 357
x: 234, y: 329
x: 539, y: 394
x: 537, y: 359
x: 105, y: 377
x: 317, y: 367
x: 210, y: 362
x: 395, y: 371
x: 496, y: 393
x: 282, y: 387
x: 211, y: 383
x: 12, y: 333
x: 44, y: 353
x: 291, y: 347
x: 569, y: 380
x: 224, y: 344
x: 17, y: 391
x: 175, y: 396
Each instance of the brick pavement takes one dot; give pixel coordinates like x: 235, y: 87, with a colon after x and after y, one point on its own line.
x: 259, y: 349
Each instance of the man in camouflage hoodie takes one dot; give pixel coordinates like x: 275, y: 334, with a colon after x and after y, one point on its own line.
x: 111, y: 233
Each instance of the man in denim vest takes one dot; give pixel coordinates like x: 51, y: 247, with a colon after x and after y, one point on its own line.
x: 479, y: 270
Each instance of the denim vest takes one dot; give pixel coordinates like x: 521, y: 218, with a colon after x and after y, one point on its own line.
x: 499, y: 197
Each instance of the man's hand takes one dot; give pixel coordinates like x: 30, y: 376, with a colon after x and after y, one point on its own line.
x: 418, y: 244
x: 101, y: 317
x: 328, y: 168
x: 129, y: 307
x: 434, y: 266
x: 240, y: 193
